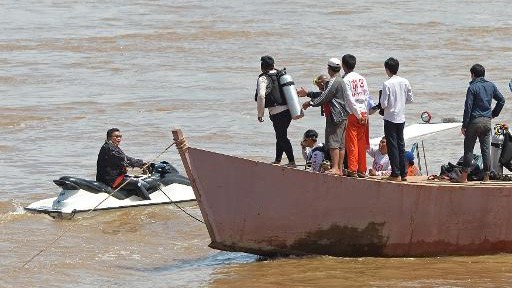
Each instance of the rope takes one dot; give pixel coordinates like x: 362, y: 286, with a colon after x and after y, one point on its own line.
x: 80, y: 219
x: 179, y: 207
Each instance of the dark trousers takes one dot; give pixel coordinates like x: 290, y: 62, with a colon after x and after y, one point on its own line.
x: 478, y: 128
x: 394, y: 133
x: 281, y: 121
x: 137, y: 186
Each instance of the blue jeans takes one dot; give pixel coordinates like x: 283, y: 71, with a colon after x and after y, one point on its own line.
x: 394, y: 133
x: 478, y: 128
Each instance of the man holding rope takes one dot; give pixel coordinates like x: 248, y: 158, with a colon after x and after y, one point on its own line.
x: 112, y: 165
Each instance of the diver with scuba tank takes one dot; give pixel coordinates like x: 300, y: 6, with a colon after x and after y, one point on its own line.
x: 269, y: 94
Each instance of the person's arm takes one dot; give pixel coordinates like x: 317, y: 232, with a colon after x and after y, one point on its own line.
x: 468, y: 106
x: 260, y: 97
x: 409, y: 98
x: 372, y: 151
x: 325, y: 96
x: 500, y: 102
x: 305, y: 152
x: 384, y: 98
x: 314, y: 94
x: 371, y: 106
x: 134, y: 162
x: 116, y: 155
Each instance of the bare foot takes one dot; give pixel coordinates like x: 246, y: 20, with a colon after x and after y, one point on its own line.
x: 333, y: 172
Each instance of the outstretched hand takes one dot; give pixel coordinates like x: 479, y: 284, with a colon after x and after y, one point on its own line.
x: 306, y: 105
x: 302, y: 92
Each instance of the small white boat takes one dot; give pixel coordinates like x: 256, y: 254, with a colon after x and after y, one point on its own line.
x: 423, y: 129
x: 81, y: 195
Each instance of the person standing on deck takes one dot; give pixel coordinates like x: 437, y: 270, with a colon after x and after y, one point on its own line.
x: 357, y: 135
x: 396, y: 92
x: 476, y: 122
x: 336, y: 113
x: 268, y: 95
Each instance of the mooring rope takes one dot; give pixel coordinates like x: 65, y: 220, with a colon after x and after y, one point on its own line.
x: 88, y: 212
x: 176, y: 204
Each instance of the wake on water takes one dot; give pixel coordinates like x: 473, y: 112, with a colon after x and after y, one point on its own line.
x: 11, y: 210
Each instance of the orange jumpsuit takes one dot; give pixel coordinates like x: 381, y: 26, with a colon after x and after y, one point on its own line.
x: 356, y: 144
x: 356, y: 135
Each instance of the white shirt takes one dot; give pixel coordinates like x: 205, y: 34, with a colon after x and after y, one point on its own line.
x: 262, y: 88
x: 358, y: 93
x: 380, y: 164
x: 396, y: 92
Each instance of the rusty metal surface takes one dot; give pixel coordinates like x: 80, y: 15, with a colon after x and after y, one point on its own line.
x: 265, y: 209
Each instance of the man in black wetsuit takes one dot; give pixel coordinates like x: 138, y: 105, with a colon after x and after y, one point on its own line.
x: 112, y: 164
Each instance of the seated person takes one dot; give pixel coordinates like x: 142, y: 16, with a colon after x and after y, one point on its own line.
x: 412, y: 170
x: 313, y: 153
x: 112, y: 163
x: 380, y: 165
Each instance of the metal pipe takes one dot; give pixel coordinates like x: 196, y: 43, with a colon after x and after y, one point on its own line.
x: 424, y: 156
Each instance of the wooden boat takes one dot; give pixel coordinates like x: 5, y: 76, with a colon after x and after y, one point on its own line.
x: 269, y: 210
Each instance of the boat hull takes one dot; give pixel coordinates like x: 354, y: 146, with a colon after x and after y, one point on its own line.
x: 269, y: 210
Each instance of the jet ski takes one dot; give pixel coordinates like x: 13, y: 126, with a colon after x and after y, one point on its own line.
x: 163, y: 183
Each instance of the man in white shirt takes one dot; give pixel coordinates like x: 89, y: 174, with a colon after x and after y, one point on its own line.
x: 356, y: 134
x: 396, y: 92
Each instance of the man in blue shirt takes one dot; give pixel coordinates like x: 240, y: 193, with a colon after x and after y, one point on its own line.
x: 476, y: 122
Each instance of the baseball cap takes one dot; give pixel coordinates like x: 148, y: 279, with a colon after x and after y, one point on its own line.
x: 409, y: 156
x: 334, y: 62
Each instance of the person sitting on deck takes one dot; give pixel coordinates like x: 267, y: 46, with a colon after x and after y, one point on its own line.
x: 412, y: 169
x: 112, y: 163
x: 313, y: 152
x: 380, y: 165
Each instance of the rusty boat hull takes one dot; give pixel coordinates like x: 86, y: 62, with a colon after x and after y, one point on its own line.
x: 264, y: 209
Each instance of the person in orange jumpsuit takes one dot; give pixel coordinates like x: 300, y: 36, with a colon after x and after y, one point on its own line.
x: 356, y: 136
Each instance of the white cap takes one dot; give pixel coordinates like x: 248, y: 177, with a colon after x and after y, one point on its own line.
x: 334, y: 62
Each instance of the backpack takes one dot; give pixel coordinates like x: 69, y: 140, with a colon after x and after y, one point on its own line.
x: 453, y: 171
x: 274, y: 94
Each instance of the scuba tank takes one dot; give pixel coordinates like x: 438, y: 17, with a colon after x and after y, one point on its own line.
x: 290, y: 94
x: 496, y: 147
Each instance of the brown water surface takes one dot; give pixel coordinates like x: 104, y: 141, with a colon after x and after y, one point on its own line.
x: 72, y: 69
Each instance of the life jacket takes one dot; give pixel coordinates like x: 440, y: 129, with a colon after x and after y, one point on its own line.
x: 273, y: 92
